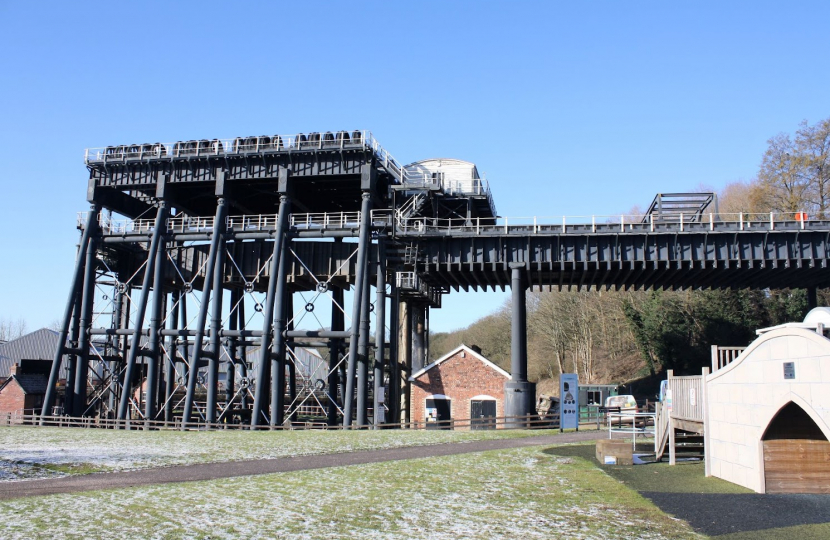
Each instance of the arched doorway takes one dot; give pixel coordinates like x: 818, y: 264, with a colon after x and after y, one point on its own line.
x: 796, y: 453
x: 438, y: 410
x: 483, y: 412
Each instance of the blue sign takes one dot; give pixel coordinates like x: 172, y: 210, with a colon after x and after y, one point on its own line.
x: 568, y: 401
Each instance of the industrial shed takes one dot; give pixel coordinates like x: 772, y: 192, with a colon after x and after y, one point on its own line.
x: 461, y: 385
x: 453, y: 175
x: 769, y: 412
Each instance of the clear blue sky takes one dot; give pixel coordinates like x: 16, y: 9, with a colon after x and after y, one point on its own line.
x: 570, y: 108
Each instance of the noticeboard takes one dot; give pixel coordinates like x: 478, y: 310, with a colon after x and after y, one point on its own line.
x: 568, y: 401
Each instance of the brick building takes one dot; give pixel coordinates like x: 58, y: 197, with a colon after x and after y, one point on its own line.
x: 22, y: 393
x: 460, y: 385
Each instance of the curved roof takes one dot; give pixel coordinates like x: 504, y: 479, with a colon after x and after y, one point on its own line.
x: 422, y: 161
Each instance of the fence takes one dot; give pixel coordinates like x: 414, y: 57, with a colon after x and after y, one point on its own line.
x: 723, y: 356
x: 687, y: 396
x: 503, y: 422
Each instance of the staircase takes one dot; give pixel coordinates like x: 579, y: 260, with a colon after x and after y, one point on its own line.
x: 413, y: 206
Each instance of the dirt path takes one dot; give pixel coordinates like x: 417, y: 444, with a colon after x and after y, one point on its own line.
x: 211, y: 471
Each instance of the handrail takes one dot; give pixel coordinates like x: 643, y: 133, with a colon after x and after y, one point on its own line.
x: 723, y: 356
x: 620, y: 223
x: 506, y: 225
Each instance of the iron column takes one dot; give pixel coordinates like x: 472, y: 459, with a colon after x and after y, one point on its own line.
x: 380, y: 338
x: 141, y: 308
x: 519, y: 394
x: 263, y: 373
x: 154, y: 360
x: 360, y: 274
x: 335, y: 349
x: 90, y: 227
x: 87, y: 301
x: 216, y: 323
x: 210, y: 268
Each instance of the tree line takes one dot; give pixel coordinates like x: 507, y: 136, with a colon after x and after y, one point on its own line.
x: 617, y: 336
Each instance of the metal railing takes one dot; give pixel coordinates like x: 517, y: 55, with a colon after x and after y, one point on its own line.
x: 612, y: 224
x: 325, y: 220
x: 635, y: 424
x: 255, y: 222
x: 493, y: 226
x: 477, y: 186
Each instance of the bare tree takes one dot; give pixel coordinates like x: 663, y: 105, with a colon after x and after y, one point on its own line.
x: 813, y: 146
x: 12, y: 328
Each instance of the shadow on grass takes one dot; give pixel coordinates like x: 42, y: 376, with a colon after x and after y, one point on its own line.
x: 712, y: 506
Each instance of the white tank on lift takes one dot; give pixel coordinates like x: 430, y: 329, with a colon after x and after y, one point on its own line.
x: 818, y: 315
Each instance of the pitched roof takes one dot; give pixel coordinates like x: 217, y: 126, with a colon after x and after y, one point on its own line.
x: 453, y: 353
x: 37, y: 345
x: 32, y: 384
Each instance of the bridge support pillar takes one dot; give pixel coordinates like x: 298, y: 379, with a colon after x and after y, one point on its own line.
x: 263, y: 370
x: 170, y: 365
x: 335, y: 357
x: 278, y: 346
x: 519, y: 394
x: 156, y: 356
x: 404, y: 338
x: 72, y: 307
x: 418, y: 321
x: 379, y: 416
x: 363, y: 354
x: 812, y: 297
x: 361, y: 269
x: 159, y: 228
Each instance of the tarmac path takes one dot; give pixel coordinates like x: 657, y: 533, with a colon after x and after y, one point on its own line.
x: 211, y: 471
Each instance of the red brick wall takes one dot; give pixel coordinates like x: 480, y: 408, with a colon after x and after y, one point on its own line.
x: 460, y: 377
x: 12, y: 398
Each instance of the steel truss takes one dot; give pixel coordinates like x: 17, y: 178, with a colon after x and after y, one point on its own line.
x: 238, y: 286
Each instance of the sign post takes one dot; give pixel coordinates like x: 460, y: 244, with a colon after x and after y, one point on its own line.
x: 568, y: 401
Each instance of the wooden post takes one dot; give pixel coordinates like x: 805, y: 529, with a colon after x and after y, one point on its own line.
x: 672, y: 456
x: 706, y: 442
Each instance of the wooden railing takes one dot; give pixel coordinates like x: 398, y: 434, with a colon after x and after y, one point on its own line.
x: 503, y: 422
x: 723, y: 356
x: 687, y: 394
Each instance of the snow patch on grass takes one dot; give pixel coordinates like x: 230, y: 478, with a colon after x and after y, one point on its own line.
x: 109, y: 450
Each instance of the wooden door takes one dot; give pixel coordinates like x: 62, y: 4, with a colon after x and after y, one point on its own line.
x: 796, y: 454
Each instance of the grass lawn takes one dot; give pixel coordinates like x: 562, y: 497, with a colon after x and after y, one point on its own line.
x: 720, y: 509
x: 30, y: 452
x: 519, y: 493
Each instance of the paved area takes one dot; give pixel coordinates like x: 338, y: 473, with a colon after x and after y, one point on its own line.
x: 712, y: 506
x: 715, y: 514
x: 211, y: 471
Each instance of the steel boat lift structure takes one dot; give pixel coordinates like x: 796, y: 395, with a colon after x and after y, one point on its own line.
x: 226, y: 227
x: 193, y: 255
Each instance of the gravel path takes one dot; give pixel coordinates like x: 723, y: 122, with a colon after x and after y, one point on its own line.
x: 211, y: 471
